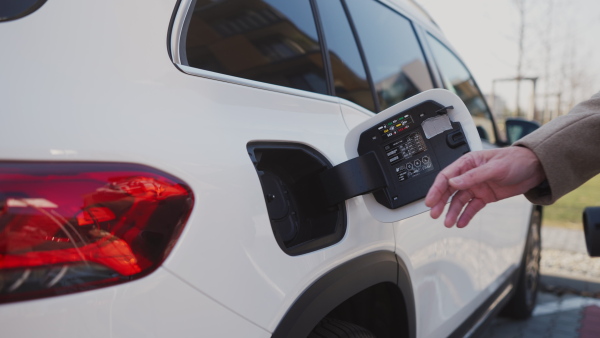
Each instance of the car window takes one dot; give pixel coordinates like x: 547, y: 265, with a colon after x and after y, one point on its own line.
x: 349, y: 75
x: 269, y: 41
x: 456, y: 78
x: 14, y: 9
x: 394, y: 55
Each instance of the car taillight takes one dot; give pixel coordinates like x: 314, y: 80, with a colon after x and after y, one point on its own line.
x: 68, y: 227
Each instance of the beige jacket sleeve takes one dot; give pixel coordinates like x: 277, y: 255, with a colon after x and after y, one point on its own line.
x: 568, y: 148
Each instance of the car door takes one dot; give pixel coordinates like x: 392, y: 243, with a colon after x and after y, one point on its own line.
x: 259, y: 75
x: 443, y: 262
x: 255, y: 71
x: 504, y: 223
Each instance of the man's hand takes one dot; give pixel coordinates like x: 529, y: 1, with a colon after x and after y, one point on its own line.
x: 480, y: 178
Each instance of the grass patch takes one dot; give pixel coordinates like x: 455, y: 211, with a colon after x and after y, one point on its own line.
x: 567, y: 211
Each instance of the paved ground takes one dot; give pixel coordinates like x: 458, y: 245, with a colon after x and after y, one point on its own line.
x: 556, y: 316
x: 569, y: 305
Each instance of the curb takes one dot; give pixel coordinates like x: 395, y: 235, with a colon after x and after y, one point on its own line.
x: 556, y: 282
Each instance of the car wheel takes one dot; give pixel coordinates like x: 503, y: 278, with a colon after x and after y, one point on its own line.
x: 523, y: 301
x: 334, y: 328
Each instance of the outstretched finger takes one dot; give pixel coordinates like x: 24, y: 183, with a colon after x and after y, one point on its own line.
x: 459, y: 200
x: 437, y: 191
x: 460, y: 166
x: 474, y: 206
x: 438, y: 209
x: 474, y: 177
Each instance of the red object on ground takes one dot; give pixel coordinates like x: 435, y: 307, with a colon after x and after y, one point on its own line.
x: 590, y: 322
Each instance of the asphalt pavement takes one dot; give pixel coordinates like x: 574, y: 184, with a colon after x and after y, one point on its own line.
x: 569, y: 300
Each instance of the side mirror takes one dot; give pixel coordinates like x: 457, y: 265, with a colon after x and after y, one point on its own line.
x: 518, y: 128
x: 591, y: 228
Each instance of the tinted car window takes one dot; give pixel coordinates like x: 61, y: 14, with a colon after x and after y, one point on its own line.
x: 456, y: 77
x: 269, y: 41
x: 349, y: 75
x: 393, y: 53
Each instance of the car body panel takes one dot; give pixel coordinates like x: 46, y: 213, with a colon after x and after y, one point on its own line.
x: 176, y: 133
x: 95, y: 82
x: 160, y: 306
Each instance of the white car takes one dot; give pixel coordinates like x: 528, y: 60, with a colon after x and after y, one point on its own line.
x: 158, y: 164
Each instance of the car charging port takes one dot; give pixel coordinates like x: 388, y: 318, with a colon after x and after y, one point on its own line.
x: 301, y: 219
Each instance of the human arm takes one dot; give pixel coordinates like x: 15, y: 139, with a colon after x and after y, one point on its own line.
x: 568, y: 148
x: 565, y: 152
x: 482, y: 177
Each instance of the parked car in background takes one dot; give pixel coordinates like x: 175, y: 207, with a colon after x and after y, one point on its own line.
x: 153, y: 156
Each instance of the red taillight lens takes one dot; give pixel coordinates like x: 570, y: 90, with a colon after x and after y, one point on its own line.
x: 67, y: 227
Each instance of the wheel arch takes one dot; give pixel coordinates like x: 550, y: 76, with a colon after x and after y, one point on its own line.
x: 339, y: 288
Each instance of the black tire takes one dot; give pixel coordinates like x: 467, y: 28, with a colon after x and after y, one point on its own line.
x: 523, y: 302
x: 334, y: 328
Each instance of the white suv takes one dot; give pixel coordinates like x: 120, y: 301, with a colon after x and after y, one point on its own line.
x: 157, y: 164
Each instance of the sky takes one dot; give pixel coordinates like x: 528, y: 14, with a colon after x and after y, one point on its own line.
x: 485, y: 35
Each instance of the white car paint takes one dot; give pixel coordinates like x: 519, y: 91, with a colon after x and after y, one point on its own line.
x: 94, y: 82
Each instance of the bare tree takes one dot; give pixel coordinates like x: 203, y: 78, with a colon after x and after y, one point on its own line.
x: 521, y: 51
x: 550, y: 45
x: 547, y: 42
x: 576, y: 80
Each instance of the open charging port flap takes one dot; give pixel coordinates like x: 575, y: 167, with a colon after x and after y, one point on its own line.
x: 396, y: 155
